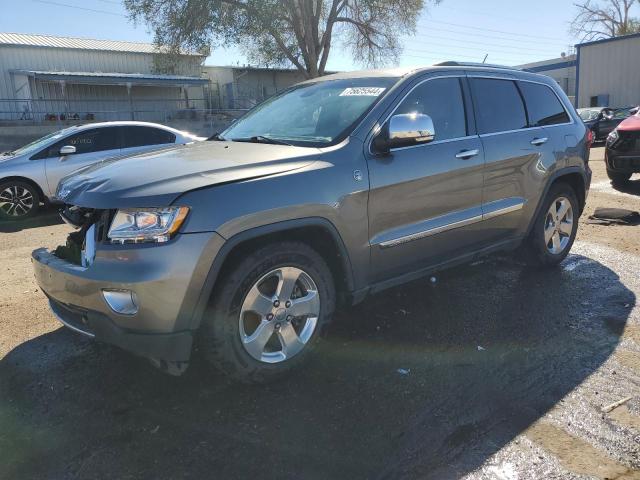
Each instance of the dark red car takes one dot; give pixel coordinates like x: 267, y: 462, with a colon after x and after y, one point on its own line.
x: 622, y: 154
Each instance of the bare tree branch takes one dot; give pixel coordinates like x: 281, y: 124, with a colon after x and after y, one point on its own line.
x: 607, y: 19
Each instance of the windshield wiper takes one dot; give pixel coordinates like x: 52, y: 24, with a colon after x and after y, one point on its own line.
x: 262, y: 139
x: 8, y: 154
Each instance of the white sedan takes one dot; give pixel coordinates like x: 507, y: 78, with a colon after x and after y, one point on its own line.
x: 30, y: 174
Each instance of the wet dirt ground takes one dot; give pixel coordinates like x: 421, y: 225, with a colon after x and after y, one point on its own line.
x: 494, y: 372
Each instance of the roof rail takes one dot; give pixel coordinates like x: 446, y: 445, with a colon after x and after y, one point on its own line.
x: 452, y: 63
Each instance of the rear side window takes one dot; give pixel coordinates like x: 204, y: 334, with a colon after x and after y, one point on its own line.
x: 441, y: 99
x: 89, y: 141
x: 499, y: 106
x: 543, y: 105
x: 143, y: 136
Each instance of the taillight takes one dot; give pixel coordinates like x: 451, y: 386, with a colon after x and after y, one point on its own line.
x: 589, y: 138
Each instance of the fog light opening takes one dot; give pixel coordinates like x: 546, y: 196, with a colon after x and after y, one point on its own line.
x: 123, y: 302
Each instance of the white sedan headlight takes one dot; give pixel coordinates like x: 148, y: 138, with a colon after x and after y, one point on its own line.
x: 146, y: 224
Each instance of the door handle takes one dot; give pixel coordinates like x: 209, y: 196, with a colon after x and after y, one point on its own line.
x: 539, y: 141
x: 467, y: 154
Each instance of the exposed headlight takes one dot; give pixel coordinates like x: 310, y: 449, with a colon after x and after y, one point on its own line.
x: 146, y: 224
x: 613, y: 136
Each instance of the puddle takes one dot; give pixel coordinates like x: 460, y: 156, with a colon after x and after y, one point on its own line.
x: 578, y: 456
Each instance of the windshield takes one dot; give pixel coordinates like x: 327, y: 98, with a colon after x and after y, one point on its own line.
x: 313, y: 114
x: 587, y: 114
x: 42, y: 142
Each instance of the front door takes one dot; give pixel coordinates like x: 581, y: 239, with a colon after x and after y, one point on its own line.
x: 425, y: 200
x: 91, y: 146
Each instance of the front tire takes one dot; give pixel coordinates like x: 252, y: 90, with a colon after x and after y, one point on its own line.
x: 555, y: 228
x: 267, y: 314
x: 618, y: 178
x: 18, y: 200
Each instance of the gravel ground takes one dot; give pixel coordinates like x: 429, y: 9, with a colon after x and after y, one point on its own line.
x: 494, y: 372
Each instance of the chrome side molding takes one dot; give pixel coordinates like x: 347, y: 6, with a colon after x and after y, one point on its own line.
x: 489, y: 210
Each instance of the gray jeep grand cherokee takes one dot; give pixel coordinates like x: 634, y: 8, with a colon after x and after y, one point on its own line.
x: 334, y: 189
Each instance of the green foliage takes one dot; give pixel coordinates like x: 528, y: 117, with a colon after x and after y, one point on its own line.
x: 282, y: 32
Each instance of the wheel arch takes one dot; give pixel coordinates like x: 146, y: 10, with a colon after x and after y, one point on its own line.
x: 43, y: 197
x: 319, y: 233
x: 575, y: 177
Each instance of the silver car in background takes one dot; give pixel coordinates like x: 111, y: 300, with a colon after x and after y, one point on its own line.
x: 30, y: 174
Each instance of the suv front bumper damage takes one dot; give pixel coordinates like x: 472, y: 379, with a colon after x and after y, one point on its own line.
x: 165, y: 279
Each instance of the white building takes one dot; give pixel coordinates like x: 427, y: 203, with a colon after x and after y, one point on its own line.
x: 561, y: 69
x: 609, y: 72
x: 245, y: 87
x: 44, y: 77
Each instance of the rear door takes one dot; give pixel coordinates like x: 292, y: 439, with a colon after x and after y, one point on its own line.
x: 425, y: 200
x: 91, y: 146
x: 517, y: 156
x: 138, y: 139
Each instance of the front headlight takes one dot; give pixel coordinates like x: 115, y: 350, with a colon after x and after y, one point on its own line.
x: 146, y: 224
x: 613, y: 137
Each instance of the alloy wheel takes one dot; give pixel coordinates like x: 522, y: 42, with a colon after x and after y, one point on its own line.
x: 558, y: 225
x: 279, y: 315
x: 16, y: 201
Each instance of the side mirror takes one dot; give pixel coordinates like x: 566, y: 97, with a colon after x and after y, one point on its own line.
x: 405, y: 130
x: 67, y: 150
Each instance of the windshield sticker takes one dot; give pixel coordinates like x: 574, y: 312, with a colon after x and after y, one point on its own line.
x: 362, y: 91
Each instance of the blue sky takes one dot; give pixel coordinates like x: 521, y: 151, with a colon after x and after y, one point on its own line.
x: 510, y: 32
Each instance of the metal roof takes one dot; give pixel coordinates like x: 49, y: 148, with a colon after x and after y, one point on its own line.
x: 112, y: 78
x: 606, y: 40
x: 24, y: 39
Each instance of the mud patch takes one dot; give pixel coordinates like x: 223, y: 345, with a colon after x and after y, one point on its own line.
x: 623, y: 417
x: 628, y: 358
x: 576, y: 455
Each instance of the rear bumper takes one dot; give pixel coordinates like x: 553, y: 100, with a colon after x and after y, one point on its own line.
x: 166, y: 281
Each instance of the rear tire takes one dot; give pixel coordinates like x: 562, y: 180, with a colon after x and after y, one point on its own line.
x: 257, y: 328
x: 555, y: 228
x: 618, y: 178
x: 18, y: 200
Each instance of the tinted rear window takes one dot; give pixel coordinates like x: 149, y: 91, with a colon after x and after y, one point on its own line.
x: 499, y: 106
x: 543, y: 105
x: 143, y: 136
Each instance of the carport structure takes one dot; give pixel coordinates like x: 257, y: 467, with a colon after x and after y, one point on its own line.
x: 71, y: 95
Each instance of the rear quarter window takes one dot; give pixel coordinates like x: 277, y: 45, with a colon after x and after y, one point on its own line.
x: 136, y: 136
x: 499, y: 106
x: 543, y: 106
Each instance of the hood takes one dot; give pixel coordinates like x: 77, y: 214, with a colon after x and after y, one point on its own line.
x: 157, y: 179
x: 630, y: 124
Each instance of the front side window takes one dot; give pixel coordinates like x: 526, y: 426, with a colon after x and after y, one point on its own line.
x: 312, y: 114
x: 499, y: 107
x: 134, y: 136
x: 88, y: 141
x: 441, y: 99
x: 543, y: 105
x: 41, y: 142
